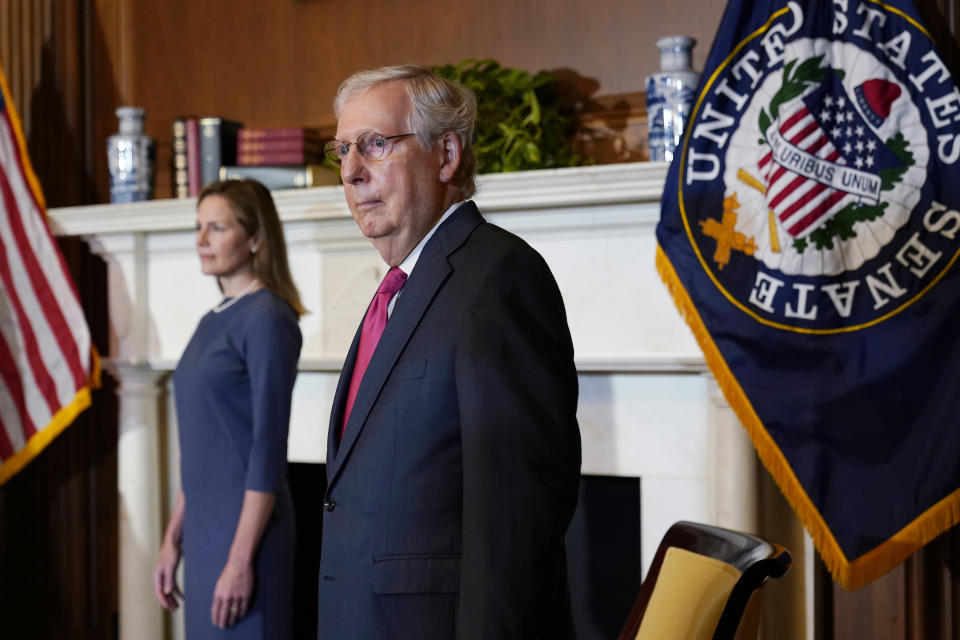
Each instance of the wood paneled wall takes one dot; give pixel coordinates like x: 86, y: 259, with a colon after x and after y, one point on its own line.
x: 279, y: 62
x: 42, y: 50
x: 919, y: 600
x: 70, y: 63
x: 24, y: 29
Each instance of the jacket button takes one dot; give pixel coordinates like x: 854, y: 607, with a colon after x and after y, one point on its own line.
x: 329, y: 503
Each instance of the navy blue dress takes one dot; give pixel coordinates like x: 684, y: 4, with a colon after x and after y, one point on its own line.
x: 233, y: 387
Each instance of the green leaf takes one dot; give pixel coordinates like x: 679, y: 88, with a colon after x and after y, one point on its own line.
x: 810, y: 70
x: 530, y: 99
x: 532, y: 152
x: 787, y: 68
x: 764, y: 121
x: 841, y: 224
x: 520, y: 123
x: 899, y: 146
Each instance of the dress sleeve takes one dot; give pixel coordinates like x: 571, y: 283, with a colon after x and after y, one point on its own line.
x: 272, y: 348
x: 517, y: 389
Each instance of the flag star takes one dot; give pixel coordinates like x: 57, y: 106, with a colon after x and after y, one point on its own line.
x: 841, y: 102
x: 859, y: 146
x: 860, y: 131
x: 858, y: 162
x: 849, y: 132
x: 869, y: 161
x: 849, y: 116
x: 835, y: 132
x: 847, y: 148
x: 871, y: 145
x: 841, y: 116
x: 828, y: 100
x: 825, y: 115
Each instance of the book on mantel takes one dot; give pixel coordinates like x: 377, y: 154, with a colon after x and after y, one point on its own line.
x: 181, y: 177
x: 193, y: 157
x: 279, y: 158
x: 186, y: 158
x: 218, y: 147
x: 279, y: 146
x: 263, y: 134
x: 274, y: 178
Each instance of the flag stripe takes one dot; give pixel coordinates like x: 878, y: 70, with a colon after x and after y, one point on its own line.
x: 776, y: 182
x: 820, y: 211
x: 37, y: 407
x: 790, y: 123
x: 27, y: 311
x: 6, y: 447
x: 786, y: 191
x: 799, y: 202
x: 819, y: 143
x: 41, y: 289
x: 29, y: 340
x: 794, y: 119
x: 52, y: 264
x: 11, y: 380
x: 10, y: 421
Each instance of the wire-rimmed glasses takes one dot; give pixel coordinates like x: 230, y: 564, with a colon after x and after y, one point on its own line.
x: 371, y: 145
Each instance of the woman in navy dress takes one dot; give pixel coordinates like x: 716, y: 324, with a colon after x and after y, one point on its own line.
x: 233, y: 519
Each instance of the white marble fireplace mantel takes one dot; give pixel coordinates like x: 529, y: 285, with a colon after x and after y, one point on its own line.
x: 648, y: 408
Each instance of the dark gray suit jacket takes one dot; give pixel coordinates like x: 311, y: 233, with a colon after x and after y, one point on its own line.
x: 449, y: 497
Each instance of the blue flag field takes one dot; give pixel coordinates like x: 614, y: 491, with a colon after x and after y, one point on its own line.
x: 809, y: 235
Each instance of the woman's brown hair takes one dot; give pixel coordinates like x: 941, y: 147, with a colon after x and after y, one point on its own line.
x: 254, y: 209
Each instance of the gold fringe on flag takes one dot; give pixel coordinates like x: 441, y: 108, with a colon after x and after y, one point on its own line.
x: 81, y: 400
x: 60, y: 421
x: 848, y: 574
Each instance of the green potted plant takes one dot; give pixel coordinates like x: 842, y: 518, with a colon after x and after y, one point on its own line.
x: 521, y: 123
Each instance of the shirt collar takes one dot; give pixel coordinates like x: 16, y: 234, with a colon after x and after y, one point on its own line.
x: 411, y: 260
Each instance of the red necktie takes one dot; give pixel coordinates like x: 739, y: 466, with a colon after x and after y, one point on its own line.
x: 373, y: 325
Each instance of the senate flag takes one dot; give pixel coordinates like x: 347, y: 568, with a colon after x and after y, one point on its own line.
x: 47, y: 363
x: 809, y: 235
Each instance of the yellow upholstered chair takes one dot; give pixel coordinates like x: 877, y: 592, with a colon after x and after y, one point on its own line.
x: 700, y: 583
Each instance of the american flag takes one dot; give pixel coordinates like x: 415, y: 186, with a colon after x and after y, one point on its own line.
x: 824, y: 155
x: 47, y: 363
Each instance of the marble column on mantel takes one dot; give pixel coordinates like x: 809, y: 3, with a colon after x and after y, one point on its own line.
x: 139, y: 390
x: 734, y: 498
x: 139, y: 454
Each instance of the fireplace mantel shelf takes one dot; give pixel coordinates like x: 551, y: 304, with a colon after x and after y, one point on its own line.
x: 521, y: 191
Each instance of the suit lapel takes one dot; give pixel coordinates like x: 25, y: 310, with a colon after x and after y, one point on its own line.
x: 340, y: 396
x: 431, y: 270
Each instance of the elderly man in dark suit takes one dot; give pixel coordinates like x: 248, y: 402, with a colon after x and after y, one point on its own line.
x: 453, y: 456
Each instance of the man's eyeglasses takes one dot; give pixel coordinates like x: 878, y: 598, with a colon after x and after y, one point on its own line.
x: 371, y: 145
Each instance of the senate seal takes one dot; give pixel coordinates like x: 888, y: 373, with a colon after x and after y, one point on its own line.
x: 818, y: 179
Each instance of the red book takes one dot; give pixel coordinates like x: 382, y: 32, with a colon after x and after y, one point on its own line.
x: 278, y: 133
x: 193, y: 157
x: 279, y: 145
x: 279, y: 158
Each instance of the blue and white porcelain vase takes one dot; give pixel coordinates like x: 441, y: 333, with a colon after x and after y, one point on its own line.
x: 670, y: 96
x: 131, y: 156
